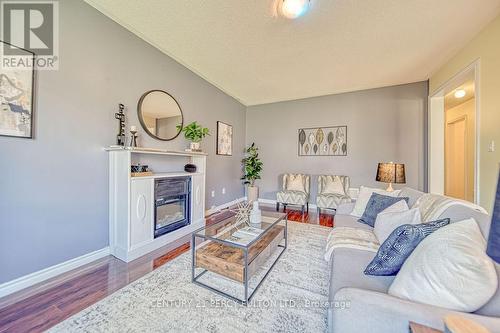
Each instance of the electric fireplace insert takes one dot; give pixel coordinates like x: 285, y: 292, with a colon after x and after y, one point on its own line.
x: 172, y: 204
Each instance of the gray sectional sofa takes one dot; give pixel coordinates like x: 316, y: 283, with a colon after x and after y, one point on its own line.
x: 363, y: 302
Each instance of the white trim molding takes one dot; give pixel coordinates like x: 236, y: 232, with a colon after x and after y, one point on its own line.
x: 34, y: 278
x: 216, y: 209
x: 435, y: 133
x: 29, y: 280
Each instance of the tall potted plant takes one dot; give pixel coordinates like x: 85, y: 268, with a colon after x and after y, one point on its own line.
x: 194, y: 133
x: 252, y: 166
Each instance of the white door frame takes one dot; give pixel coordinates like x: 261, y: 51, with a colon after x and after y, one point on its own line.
x: 435, y: 123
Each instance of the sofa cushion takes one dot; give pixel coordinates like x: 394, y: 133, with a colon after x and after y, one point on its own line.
x: 492, y: 308
x: 377, y: 204
x: 455, y: 213
x: 387, y: 222
x: 411, y: 194
x: 347, y: 267
x: 458, y: 213
x: 342, y: 220
x: 399, y: 245
x: 451, y: 270
x: 364, y: 196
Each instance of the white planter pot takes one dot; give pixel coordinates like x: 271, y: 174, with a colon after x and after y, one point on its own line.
x: 195, y: 146
x: 252, y: 193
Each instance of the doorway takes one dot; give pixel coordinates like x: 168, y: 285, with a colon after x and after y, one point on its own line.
x: 453, y: 137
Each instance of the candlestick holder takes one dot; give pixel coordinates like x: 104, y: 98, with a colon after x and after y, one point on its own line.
x: 133, y: 139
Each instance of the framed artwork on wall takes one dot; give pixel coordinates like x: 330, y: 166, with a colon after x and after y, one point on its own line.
x: 224, y: 139
x: 323, y: 141
x: 16, y: 98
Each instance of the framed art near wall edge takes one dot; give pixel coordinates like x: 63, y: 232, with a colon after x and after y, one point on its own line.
x: 16, y: 97
x: 224, y: 139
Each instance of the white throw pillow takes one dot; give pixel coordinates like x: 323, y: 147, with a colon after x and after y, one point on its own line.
x: 295, y: 183
x: 364, y: 196
x: 449, y: 269
x: 389, y: 219
x: 333, y: 185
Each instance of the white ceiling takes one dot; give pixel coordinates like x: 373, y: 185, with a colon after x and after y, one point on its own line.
x: 338, y: 46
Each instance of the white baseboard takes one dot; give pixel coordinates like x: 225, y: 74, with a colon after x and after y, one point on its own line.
x: 215, y: 209
x: 34, y: 278
x: 29, y: 280
x: 273, y: 202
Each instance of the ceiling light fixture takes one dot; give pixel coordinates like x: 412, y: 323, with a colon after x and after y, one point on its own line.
x: 293, y: 8
x: 460, y: 93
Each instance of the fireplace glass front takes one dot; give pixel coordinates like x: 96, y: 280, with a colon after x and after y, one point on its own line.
x: 172, y: 198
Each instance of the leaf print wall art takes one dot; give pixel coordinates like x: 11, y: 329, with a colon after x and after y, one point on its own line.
x: 323, y: 141
x: 330, y: 137
x: 312, y: 139
x: 319, y: 136
x: 302, y: 138
x: 334, y: 148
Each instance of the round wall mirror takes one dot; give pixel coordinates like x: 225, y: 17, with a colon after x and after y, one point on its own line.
x: 160, y: 114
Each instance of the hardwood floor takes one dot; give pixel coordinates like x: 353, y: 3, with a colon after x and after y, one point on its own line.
x: 40, y: 307
x: 312, y: 218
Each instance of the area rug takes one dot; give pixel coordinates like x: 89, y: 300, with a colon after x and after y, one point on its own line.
x: 293, y: 297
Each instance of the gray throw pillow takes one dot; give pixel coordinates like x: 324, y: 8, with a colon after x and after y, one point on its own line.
x: 377, y: 204
x: 399, y: 245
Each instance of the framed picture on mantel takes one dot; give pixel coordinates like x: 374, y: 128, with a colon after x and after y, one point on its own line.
x: 323, y: 141
x: 224, y: 139
x: 16, y: 96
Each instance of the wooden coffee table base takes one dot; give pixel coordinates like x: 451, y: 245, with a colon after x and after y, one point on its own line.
x: 230, y: 261
x: 237, y: 262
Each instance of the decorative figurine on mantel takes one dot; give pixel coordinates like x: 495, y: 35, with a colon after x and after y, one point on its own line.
x: 120, y: 137
x: 133, y: 136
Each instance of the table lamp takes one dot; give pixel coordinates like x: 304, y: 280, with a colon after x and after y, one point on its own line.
x: 391, y: 173
x: 493, y: 249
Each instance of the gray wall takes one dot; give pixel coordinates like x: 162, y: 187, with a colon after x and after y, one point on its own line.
x: 54, y: 189
x: 385, y: 124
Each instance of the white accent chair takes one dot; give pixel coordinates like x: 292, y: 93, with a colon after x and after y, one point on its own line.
x: 328, y: 200
x: 291, y: 195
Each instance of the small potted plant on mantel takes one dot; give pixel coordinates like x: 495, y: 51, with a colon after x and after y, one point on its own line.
x: 252, y: 167
x: 194, y: 133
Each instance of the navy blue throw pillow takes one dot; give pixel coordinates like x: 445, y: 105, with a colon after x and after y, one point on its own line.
x: 377, y: 204
x: 399, y: 245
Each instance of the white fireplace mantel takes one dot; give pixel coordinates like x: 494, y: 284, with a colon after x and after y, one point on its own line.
x: 155, y: 151
x: 131, y: 199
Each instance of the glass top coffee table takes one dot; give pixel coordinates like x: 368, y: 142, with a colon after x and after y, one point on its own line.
x: 242, y: 253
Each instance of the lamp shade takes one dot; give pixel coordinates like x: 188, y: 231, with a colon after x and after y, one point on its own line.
x: 391, y: 173
x: 493, y: 249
